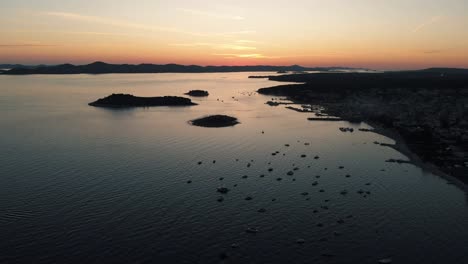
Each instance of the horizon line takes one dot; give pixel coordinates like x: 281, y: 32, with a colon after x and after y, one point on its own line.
x: 221, y: 65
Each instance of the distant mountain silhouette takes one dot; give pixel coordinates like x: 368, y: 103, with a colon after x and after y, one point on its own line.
x: 12, y: 66
x: 102, y: 67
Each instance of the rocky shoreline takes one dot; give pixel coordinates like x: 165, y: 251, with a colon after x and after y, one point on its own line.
x: 431, y: 120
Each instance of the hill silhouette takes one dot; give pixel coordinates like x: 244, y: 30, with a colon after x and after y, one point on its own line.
x: 102, y: 68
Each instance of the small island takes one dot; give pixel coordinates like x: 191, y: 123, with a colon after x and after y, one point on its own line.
x: 259, y: 76
x: 128, y: 100
x: 198, y: 93
x: 215, y: 121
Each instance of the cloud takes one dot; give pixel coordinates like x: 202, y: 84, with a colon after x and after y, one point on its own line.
x: 210, y: 15
x: 95, y: 33
x: 427, y: 23
x: 131, y: 25
x: 115, y: 23
x: 244, y: 41
x: 234, y: 34
x: 26, y: 45
x: 432, y: 51
x: 92, y: 33
x: 214, y: 46
x: 246, y: 56
x: 234, y: 47
x: 196, y: 44
x: 242, y: 32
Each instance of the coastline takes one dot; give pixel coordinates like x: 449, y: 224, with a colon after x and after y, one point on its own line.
x: 401, y: 144
x: 402, y: 147
x: 425, y: 109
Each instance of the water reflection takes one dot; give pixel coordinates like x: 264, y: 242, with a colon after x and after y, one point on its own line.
x: 112, y: 184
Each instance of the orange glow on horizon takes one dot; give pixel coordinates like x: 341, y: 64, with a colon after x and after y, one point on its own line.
x: 310, y: 33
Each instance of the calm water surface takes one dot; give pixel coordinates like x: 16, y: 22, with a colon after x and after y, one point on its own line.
x: 79, y: 183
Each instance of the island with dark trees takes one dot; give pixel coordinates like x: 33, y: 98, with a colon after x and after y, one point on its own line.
x: 128, y: 100
x: 215, y: 121
x: 198, y: 93
x: 427, y: 108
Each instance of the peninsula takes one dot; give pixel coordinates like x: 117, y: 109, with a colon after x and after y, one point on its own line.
x: 427, y: 108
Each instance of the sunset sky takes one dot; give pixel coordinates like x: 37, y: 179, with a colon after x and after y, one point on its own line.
x: 378, y: 34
